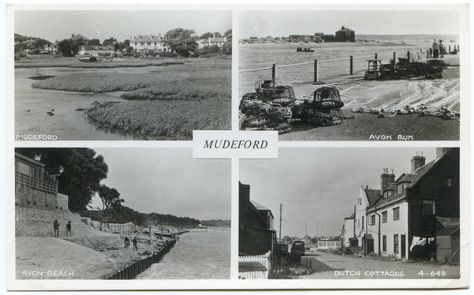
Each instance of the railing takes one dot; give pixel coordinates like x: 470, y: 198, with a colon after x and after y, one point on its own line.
x: 40, y: 184
x: 264, y: 260
x: 317, y: 64
x: 131, y: 271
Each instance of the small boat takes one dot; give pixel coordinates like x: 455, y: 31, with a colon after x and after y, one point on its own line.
x: 88, y: 59
x: 304, y: 49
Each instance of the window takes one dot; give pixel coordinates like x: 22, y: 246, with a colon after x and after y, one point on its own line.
x: 384, y: 243
x: 384, y: 217
x: 396, y: 213
x: 358, y: 222
x: 449, y: 182
x: 372, y: 219
x: 363, y: 221
x: 395, y: 244
x: 428, y: 207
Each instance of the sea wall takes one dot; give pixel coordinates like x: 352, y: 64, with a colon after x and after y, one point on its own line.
x: 35, y: 222
x: 31, y: 198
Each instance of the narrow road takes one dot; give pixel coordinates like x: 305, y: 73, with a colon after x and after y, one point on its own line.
x: 330, y: 266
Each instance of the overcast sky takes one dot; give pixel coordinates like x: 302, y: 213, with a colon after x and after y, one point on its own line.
x: 169, y: 181
x: 60, y: 24
x: 320, y: 186
x: 283, y: 23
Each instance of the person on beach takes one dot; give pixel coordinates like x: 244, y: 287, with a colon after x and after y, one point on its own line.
x: 126, y: 242
x: 56, y: 228
x: 442, y: 50
x: 68, y: 229
x: 435, y: 49
x: 135, y: 244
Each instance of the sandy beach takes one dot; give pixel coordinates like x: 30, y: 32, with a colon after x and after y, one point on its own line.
x: 387, y: 95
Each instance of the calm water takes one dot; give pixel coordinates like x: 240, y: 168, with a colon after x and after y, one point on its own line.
x: 32, y: 105
x: 253, y: 56
x: 197, y: 255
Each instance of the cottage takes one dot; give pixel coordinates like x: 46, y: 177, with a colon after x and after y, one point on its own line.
x: 209, y: 42
x: 146, y: 43
x: 256, y: 233
x: 345, y: 35
x: 348, y: 231
x: 97, y: 51
x: 415, y: 216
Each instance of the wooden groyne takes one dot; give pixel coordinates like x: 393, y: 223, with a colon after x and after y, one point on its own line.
x: 131, y: 271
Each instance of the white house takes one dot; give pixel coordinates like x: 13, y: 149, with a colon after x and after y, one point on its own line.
x: 97, y: 51
x: 366, y: 198
x: 348, y: 231
x: 214, y: 41
x: 155, y: 43
x: 415, y: 216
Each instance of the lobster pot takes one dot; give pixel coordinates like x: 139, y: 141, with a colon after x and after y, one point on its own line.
x: 324, y: 118
x: 327, y: 98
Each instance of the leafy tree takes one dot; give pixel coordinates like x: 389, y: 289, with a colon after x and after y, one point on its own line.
x: 80, y: 171
x: 206, y: 35
x: 286, y: 240
x: 109, y: 41
x: 110, y: 197
x: 181, y: 41
x: 217, y: 34
x: 94, y: 42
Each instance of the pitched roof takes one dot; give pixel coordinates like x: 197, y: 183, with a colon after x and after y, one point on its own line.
x: 258, y: 206
x: 345, y: 29
x: 414, y: 179
x: 218, y: 40
x: 147, y: 38
x: 405, y: 177
x: 372, y: 195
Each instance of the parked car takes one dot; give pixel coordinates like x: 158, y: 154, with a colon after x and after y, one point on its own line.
x: 298, y: 248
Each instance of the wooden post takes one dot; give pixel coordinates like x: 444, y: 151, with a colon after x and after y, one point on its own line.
x: 449, y: 49
x: 428, y: 53
x: 394, y: 57
x: 351, y: 65
x: 316, y: 71
x: 274, y: 73
x: 375, y: 56
x: 408, y: 56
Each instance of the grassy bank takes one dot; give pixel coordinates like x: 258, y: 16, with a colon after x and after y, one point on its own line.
x: 162, y: 119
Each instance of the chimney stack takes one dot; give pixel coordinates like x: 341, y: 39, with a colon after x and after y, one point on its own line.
x: 417, y: 161
x: 386, y: 179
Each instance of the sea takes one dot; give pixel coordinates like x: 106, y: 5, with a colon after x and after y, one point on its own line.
x: 197, y: 255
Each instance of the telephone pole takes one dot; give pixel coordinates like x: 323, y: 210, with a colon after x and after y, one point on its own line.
x: 279, y: 232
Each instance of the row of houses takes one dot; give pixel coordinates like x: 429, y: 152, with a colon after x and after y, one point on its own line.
x: 148, y: 43
x: 413, y: 216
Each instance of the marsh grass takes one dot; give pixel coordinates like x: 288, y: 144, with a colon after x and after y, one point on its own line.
x: 162, y: 119
x: 73, y: 62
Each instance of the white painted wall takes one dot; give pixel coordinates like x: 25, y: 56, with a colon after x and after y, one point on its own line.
x: 348, y: 231
x: 390, y: 228
x: 361, y: 209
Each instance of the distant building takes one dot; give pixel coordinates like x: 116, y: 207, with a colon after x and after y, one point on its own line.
x: 326, y: 244
x: 209, y: 42
x: 145, y: 43
x: 97, y: 51
x: 345, y: 35
x: 415, y: 216
x: 256, y: 233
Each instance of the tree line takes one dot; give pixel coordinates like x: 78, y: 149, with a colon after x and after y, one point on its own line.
x: 182, y: 42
